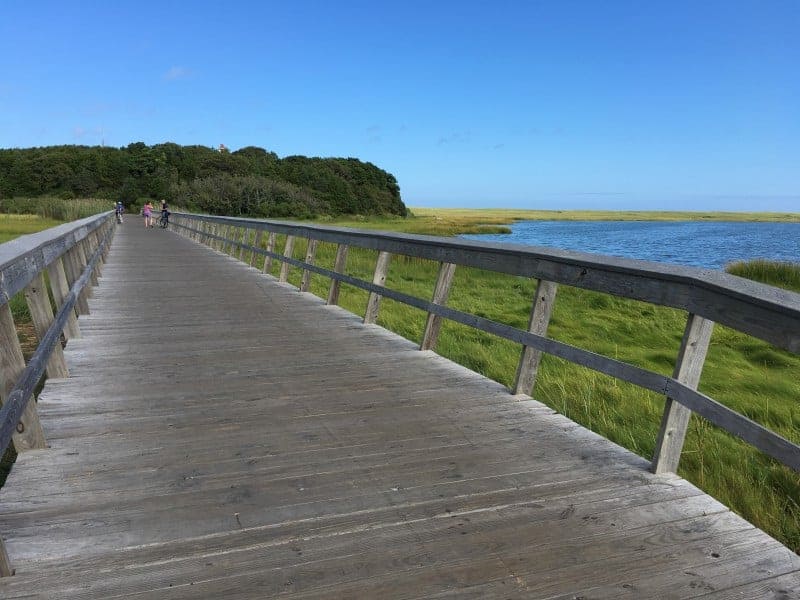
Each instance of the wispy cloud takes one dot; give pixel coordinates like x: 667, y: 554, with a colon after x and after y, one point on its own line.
x: 79, y: 132
x: 374, y: 134
x: 176, y: 73
x: 457, y: 137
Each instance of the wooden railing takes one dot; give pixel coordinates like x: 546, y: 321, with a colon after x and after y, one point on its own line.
x: 71, y: 255
x: 767, y: 313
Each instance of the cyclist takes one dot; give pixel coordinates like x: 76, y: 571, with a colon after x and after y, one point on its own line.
x: 164, y: 221
x: 118, y: 210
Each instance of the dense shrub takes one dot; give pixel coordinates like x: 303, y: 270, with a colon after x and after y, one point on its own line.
x: 250, y: 181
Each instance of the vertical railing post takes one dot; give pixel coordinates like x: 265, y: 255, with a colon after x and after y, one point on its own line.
x: 60, y: 287
x: 29, y: 434
x: 245, y: 239
x: 270, y: 248
x: 74, y: 269
x: 288, y: 249
x: 223, y: 241
x: 338, y: 266
x: 83, y: 260
x: 378, y: 278
x: 42, y: 316
x: 675, y: 420
x: 94, y: 243
x: 311, y: 253
x: 440, y: 294
x: 256, y: 244
x: 5, y: 563
x: 529, y: 360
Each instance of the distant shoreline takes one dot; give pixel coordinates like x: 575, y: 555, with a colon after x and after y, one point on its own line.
x: 499, y: 216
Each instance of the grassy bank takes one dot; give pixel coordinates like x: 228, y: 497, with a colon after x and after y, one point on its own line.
x: 14, y: 225
x: 469, y: 216
x: 55, y: 208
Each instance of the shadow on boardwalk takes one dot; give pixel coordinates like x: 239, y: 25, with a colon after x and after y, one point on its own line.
x: 224, y: 436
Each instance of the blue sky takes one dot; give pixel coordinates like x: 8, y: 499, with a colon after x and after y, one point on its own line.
x: 560, y: 104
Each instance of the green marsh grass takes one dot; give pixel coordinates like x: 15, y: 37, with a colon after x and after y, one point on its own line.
x: 56, y: 209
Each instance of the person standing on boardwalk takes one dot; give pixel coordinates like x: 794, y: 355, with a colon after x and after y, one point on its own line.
x: 147, y: 211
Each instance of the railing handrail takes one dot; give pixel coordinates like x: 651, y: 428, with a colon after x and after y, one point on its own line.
x: 22, y: 258
x: 715, y: 295
x: 768, y: 313
x: 71, y: 255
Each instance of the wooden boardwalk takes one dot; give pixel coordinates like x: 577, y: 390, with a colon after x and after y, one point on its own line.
x: 225, y: 436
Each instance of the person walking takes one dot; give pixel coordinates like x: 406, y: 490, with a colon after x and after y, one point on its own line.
x: 147, y: 211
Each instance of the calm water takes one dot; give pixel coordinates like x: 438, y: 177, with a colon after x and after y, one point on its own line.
x: 698, y: 244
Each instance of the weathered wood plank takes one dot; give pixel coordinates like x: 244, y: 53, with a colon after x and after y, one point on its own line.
x: 42, y: 316
x: 339, y: 265
x: 441, y: 292
x: 311, y: 252
x: 198, y: 456
x: 288, y: 250
x: 675, y: 420
x: 542, y: 308
x: 29, y: 434
x: 60, y: 288
x: 378, y: 279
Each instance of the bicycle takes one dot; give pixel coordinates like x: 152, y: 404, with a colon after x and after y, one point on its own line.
x: 163, y: 221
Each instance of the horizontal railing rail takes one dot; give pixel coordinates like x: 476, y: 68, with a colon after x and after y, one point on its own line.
x: 767, y: 313
x: 71, y: 254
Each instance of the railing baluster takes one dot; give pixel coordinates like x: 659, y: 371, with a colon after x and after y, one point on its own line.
x: 379, y: 278
x: 270, y: 248
x: 675, y: 420
x: 542, y: 308
x: 441, y: 292
x: 60, y: 288
x: 29, y: 434
x: 338, y: 267
x: 74, y: 268
x: 5, y: 562
x: 256, y: 244
x: 311, y: 253
x: 245, y: 239
x: 42, y: 317
x: 288, y: 249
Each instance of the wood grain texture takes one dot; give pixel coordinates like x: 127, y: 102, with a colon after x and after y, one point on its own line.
x: 441, y: 291
x: 688, y: 368
x: 541, y: 309
x: 263, y: 444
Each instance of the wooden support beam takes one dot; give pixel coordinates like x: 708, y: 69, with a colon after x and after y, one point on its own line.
x: 5, y: 562
x: 288, y: 249
x: 311, y: 253
x: 542, y: 308
x: 60, y: 288
x: 42, y: 316
x: 74, y: 268
x: 29, y: 434
x: 440, y: 294
x: 87, y: 250
x: 338, y: 266
x: 675, y: 420
x: 378, y: 278
x: 270, y: 248
x: 256, y: 244
x: 244, y: 240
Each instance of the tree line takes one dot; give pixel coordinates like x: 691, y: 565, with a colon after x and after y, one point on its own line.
x: 250, y: 181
